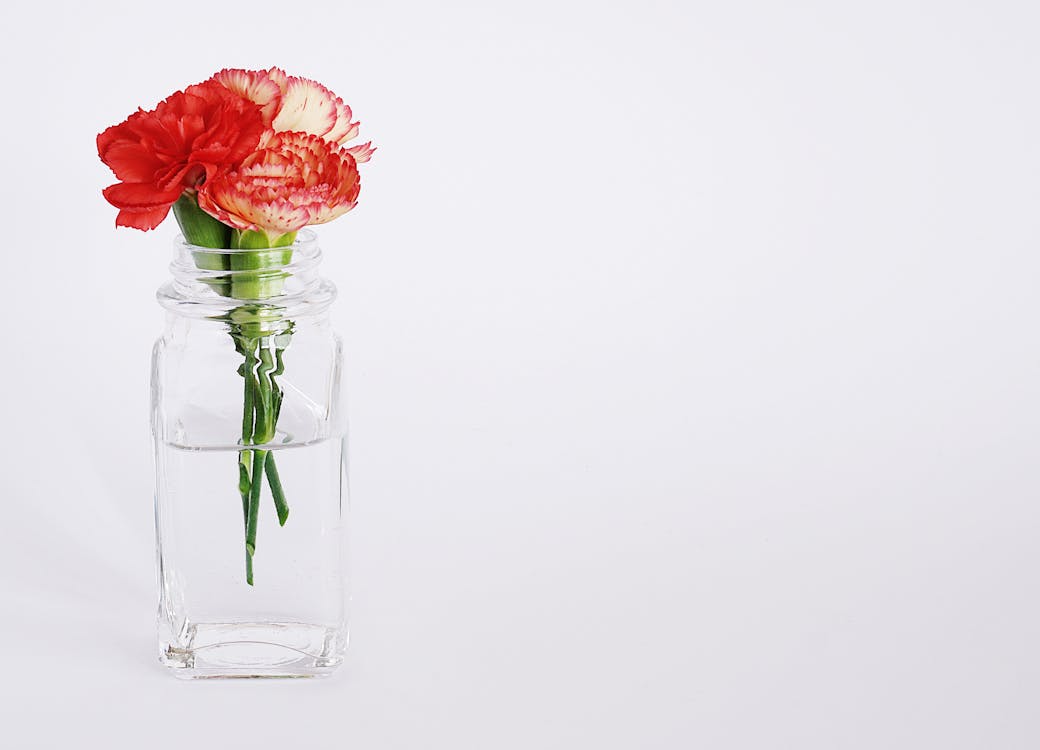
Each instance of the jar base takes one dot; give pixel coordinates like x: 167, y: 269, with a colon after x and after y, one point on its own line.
x: 254, y: 650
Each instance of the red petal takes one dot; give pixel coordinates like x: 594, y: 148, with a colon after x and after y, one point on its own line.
x: 143, y: 219
x: 130, y: 162
x: 140, y: 196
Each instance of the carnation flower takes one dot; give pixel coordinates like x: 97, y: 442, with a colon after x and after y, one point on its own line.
x: 189, y: 138
x: 293, y: 180
x: 294, y: 104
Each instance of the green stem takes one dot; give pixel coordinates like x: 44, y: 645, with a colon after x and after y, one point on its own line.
x: 259, y: 458
x: 280, y: 505
x: 199, y: 228
x: 246, y: 371
x: 264, y: 430
x: 248, y: 485
x: 259, y: 273
x: 244, y: 484
x: 255, y: 273
x: 248, y: 395
x: 277, y: 389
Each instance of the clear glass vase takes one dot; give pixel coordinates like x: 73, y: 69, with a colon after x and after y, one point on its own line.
x: 250, y: 501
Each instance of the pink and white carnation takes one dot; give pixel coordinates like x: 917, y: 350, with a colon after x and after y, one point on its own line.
x: 294, y: 179
x: 295, y: 104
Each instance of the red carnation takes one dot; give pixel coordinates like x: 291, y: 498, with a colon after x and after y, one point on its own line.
x: 192, y: 136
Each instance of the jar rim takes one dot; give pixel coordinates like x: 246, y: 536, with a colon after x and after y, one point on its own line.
x: 290, y: 284
x: 305, y: 238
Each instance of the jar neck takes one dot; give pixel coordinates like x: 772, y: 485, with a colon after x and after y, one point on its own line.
x: 269, y: 283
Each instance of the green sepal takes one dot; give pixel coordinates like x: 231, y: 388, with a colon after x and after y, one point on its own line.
x: 199, y: 227
x: 247, y: 239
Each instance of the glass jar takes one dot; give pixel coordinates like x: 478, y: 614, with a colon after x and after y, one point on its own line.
x: 250, y: 501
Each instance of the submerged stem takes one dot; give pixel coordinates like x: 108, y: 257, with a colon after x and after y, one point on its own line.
x: 244, y: 486
x: 253, y: 515
x: 263, y: 432
x: 280, y: 505
x: 245, y: 483
x: 256, y: 275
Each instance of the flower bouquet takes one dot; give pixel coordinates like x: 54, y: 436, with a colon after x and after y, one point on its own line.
x: 245, y: 160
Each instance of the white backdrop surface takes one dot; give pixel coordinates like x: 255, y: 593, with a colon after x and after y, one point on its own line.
x: 693, y: 370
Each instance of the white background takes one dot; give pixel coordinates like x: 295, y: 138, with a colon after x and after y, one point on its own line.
x: 693, y: 376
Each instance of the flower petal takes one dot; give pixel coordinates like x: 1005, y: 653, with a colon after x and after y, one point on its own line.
x: 362, y: 153
x: 256, y: 86
x: 307, y: 107
x: 139, y: 195
x: 143, y: 219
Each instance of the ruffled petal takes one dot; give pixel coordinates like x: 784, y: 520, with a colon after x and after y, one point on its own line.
x: 139, y: 195
x: 362, y: 153
x: 143, y: 219
x: 307, y: 107
x: 255, y: 85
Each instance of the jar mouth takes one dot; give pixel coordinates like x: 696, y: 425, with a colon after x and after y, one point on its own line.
x: 304, y: 238
x: 215, y: 280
